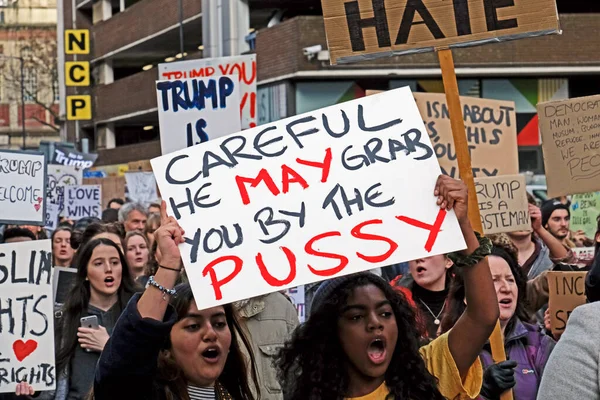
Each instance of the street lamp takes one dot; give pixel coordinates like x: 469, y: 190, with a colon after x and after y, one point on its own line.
x: 22, y: 61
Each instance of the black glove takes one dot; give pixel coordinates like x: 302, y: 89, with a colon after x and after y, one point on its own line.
x: 497, y: 379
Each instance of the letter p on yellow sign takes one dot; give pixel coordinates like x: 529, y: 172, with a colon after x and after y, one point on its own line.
x: 79, y: 108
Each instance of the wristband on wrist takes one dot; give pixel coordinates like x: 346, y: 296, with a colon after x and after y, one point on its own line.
x: 484, y: 250
x: 170, y: 269
x: 164, y: 290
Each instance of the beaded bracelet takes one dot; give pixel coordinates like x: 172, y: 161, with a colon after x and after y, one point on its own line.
x: 170, y: 292
x: 484, y: 250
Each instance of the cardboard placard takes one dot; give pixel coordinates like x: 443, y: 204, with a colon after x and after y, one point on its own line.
x: 242, y: 66
x: 62, y: 283
x: 22, y: 188
x: 193, y: 111
x: 83, y: 201
x: 491, y: 129
x: 365, y: 30
x: 27, y: 319
x: 503, y: 205
x: 571, y: 142
x: 307, y: 198
x: 141, y: 186
x: 585, y: 209
x: 567, y: 291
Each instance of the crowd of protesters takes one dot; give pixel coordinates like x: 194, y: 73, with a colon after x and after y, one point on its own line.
x: 415, y: 332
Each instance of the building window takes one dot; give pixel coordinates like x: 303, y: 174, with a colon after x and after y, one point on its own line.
x: 30, y: 83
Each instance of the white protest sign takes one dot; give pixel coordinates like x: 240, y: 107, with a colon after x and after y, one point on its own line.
x: 141, y: 186
x: 59, y: 176
x: 242, y: 66
x: 27, y: 318
x: 22, y: 188
x: 52, y: 215
x: 299, y: 300
x: 83, y: 201
x: 193, y: 111
x: 340, y: 190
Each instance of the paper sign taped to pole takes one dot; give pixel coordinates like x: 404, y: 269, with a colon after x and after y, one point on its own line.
x: 491, y: 129
x: 307, y: 198
x: 193, y: 111
x: 22, y: 188
x: 503, y: 204
x: 244, y: 67
x: 83, y: 201
x: 567, y: 291
x: 571, y: 141
x: 369, y: 29
x: 27, y: 335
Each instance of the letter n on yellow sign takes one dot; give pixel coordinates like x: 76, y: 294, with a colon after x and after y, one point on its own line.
x: 77, y: 73
x: 77, y: 41
x: 79, y: 107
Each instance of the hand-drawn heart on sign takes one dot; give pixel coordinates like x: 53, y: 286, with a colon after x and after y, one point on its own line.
x: 23, y: 349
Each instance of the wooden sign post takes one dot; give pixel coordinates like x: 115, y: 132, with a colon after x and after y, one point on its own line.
x: 466, y: 173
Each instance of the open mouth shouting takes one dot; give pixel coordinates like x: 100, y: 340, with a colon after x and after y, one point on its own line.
x: 377, y: 351
x: 109, y: 281
x: 212, y: 355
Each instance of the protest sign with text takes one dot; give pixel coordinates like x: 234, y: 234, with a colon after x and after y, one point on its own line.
x: 244, y: 67
x: 27, y: 317
x: 83, y: 201
x: 70, y: 157
x: 193, y: 111
x: 327, y: 193
x: 59, y: 176
x: 567, y: 291
x: 491, y: 132
x: 22, y: 188
x: 571, y: 142
x: 584, y: 255
x: 298, y: 299
x: 141, y: 186
x: 503, y: 205
x: 364, y: 30
x: 585, y: 209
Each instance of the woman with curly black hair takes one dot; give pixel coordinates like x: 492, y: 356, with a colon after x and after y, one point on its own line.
x: 361, y: 340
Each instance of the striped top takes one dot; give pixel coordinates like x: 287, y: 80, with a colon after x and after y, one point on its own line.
x: 201, y: 393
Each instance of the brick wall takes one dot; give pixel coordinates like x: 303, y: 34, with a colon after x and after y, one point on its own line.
x: 279, y: 49
x: 134, y: 93
x: 139, y: 21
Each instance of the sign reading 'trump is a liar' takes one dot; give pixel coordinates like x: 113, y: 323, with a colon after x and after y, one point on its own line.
x: 193, y: 111
x: 307, y: 198
x: 22, y: 188
x: 27, y: 318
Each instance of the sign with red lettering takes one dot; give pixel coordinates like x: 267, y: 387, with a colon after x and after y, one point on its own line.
x: 336, y: 191
x: 242, y: 66
x: 27, y: 316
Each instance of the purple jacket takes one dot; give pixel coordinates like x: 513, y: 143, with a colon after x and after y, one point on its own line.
x: 531, y: 349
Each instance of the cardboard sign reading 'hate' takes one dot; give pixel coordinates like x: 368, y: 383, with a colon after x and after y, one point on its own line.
x: 368, y: 29
x: 307, y: 198
x: 242, y: 67
x: 567, y: 291
x: 83, y: 201
x: 491, y: 128
x: 503, y: 205
x: 27, y: 318
x: 571, y: 142
x: 193, y: 111
x: 22, y: 188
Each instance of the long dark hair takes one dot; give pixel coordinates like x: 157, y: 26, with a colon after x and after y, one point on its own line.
x: 80, y: 238
x: 312, y: 363
x: 79, y: 298
x: 455, y: 302
x: 235, y: 376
